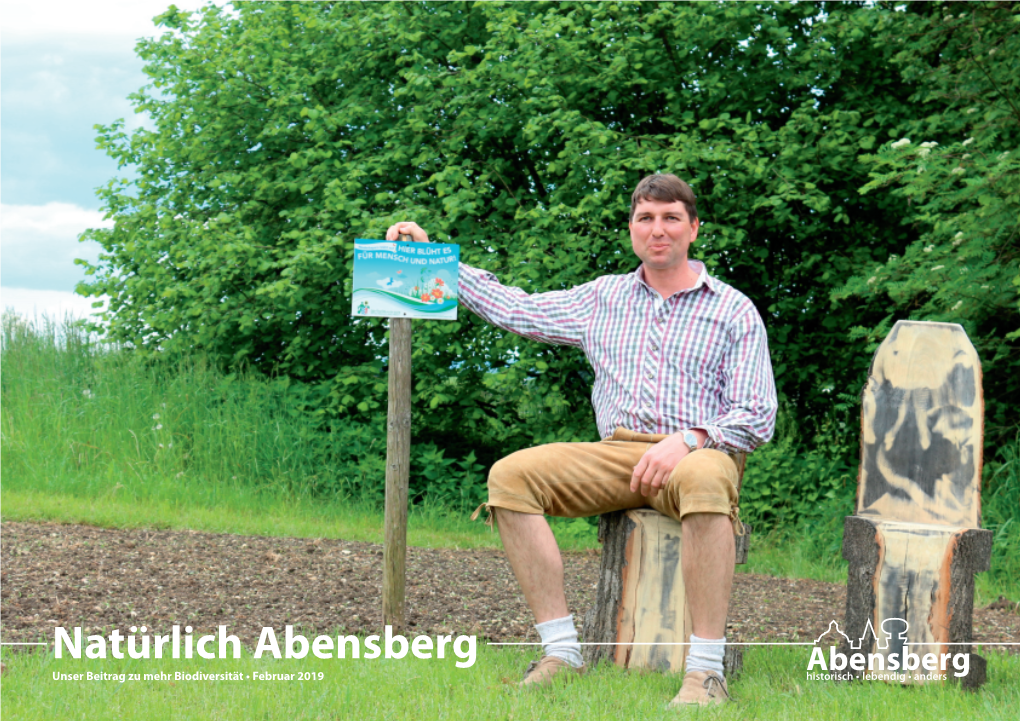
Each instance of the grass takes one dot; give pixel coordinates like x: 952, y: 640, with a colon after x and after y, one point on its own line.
x: 773, y: 686
x: 269, y: 516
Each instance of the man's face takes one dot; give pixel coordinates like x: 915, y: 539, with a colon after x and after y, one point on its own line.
x: 661, y: 233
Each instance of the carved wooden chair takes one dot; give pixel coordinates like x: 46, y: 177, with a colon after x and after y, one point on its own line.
x: 915, y: 541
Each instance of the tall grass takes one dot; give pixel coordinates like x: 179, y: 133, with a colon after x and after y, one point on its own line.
x: 84, y: 419
x: 93, y: 434
x: 1000, y: 500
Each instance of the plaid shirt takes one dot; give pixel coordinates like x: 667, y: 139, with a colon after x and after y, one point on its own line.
x: 698, y: 359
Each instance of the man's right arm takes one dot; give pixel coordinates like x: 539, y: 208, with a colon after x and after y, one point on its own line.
x: 559, y: 317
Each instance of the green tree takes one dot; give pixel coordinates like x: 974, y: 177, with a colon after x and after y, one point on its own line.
x: 283, y: 131
x: 959, y: 170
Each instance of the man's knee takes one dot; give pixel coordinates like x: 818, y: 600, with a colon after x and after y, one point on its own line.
x: 705, y: 481
x: 507, y: 474
x: 510, y: 483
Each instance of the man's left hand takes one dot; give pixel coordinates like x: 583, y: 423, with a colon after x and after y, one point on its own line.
x: 653, y: 470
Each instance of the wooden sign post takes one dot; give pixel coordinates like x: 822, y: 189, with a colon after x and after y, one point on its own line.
x: 400, y: 281
x: 398, y: 461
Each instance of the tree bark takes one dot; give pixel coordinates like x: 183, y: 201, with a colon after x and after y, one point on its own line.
x: 932, y: 589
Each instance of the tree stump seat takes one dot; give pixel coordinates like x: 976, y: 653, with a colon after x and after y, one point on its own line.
x: 640, y: 618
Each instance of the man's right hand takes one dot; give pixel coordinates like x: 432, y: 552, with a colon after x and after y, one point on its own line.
x: 417, y: 234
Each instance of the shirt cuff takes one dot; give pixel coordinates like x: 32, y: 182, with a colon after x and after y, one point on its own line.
x: 714, y: 439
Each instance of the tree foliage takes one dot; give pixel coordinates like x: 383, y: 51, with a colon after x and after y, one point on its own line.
x: 283, y: 131
x: 960, y: 173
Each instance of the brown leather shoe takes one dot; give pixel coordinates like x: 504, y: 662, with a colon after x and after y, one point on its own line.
x: 701, y: 688
x: 541, y: 673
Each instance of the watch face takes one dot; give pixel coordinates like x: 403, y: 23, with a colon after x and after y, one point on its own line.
x: 691, y: 440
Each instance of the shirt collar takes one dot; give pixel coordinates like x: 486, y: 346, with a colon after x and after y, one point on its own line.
x: 704, y: 279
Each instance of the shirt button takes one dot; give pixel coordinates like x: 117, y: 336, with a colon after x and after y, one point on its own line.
x: 651, y: 375
x: 655, y: 347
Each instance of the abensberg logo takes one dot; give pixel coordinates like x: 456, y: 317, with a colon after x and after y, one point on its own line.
x: 891, y: 659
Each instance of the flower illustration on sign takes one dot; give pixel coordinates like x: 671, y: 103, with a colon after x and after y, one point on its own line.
x: 430, y: 289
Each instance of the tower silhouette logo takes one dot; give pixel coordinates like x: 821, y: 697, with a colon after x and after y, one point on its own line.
x: 892, y: 629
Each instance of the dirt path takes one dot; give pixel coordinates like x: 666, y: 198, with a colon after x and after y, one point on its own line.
x: 68, y: 575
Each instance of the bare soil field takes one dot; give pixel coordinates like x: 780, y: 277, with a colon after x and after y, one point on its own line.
x: 98, y: 578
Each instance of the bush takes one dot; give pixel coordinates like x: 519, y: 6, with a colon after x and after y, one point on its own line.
x: 793, y: 479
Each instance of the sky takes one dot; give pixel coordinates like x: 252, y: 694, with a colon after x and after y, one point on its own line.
x: 65, y: 65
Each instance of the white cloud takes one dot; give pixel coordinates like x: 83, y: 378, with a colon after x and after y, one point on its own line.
x: 40, y: 242
x: 52, y: 218
x: 66, y: 65
x: 73, y: 18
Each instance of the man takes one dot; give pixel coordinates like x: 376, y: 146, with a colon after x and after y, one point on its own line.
x: 682, y: 380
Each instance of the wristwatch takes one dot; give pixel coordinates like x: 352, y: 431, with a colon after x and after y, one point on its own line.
x: 691, y: 440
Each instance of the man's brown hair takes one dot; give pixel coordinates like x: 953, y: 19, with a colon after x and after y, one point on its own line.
x: 665, y: 188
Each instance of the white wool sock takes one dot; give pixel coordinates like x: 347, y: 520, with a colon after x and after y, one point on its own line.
x: 706, y: 654
x: 559, y: 638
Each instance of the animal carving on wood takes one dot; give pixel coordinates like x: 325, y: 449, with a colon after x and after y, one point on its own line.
x: 922, y: 428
